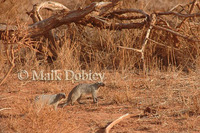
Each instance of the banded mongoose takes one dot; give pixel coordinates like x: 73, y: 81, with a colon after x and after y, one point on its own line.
x: 49, y: 99
x: 82, y: 89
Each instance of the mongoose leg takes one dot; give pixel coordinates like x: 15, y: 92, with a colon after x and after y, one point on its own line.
x: 73, y: 100
x: 55, y: 106
x: 94, y: 95
x: 65, y: 104
x: 78, y: 100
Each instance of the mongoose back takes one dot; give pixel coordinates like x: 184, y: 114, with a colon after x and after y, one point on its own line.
x: 49, y: 99
x: 82, y: 89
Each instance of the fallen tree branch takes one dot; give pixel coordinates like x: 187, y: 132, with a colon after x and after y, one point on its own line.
x: 116, y: 121
x: 51, y: 5
x: 124, y: 17
x: 174, y: 32
x: 36, y: 17
x: 64, y: 17
x: 179, y: 14
x: 78, y: 16
x: 158, y: 43
x: 104, y: 7
x: 103, y: 24
x: 54, y: 6
x: 42, y: 27
x: 123, y: 11
x: 100, y: 14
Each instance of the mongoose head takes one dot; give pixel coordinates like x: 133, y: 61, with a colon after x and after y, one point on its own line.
x: 100, y: 84
x: 60, y: 96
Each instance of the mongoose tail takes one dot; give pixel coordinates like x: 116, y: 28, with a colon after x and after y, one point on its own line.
x: 58, y: 97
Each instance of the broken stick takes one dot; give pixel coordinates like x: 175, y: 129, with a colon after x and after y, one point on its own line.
x: 116, y: 121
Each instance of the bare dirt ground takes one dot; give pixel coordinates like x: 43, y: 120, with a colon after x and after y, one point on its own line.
x: 157, y: 101
x: 162, y: 102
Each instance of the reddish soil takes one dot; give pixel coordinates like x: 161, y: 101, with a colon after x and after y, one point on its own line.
x: 160, y: 103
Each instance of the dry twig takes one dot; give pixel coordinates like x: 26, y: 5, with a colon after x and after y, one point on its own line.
x: 158, y: 43
x: 191, y: 9
x: 4, y: 109
x: 12, y: 62
x: 116, y: 121
x: 175, y: 33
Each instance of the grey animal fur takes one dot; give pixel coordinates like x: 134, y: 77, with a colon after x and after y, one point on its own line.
x: 49, y: 99
x: 78, y: 91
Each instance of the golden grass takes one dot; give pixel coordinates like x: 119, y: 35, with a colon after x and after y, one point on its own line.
x: 170, y: 86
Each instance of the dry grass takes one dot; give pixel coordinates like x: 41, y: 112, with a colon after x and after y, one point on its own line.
x: 173, y: 96
x: 164, y: 99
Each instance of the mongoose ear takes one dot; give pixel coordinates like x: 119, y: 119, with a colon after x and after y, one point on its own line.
x: 101, y: 84
x: 61, y: 95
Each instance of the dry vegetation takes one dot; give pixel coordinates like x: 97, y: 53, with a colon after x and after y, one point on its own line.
x: 162, y: 96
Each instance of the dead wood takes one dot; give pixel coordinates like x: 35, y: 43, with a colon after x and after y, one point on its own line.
x: 101, y: 15
x: 103, y: 24
x: 100, y: 19
x: 161, y: 44
x: 56, y: 20
x: 36, y: 17
x: 116, y: 121
x: 179, y: 14
x: 123, y: 11
x: 41, y: 27
x: 4, y: 109
x: 54, y: 6
x: 175, y: 33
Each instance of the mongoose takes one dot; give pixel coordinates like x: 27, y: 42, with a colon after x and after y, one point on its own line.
x: 81, y: 89
x: 48, y: 99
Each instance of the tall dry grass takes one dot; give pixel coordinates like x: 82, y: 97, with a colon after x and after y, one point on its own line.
x: 95, y: 49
